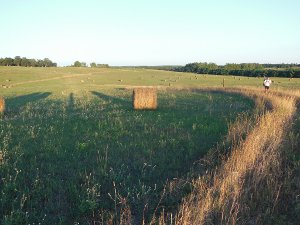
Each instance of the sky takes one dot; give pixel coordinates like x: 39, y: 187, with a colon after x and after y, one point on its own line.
x: 151, y: 32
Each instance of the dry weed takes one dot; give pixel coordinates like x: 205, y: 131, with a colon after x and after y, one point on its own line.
x: 2, y: 105
x: 251, y: 174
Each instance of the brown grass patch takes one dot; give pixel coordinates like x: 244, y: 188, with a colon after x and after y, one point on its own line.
x: 247, y: 186
x: 144, y: 98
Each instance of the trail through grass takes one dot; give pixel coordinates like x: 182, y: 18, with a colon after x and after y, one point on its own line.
x: 74, y: 151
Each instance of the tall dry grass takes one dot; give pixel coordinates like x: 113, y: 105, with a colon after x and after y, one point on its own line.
x: 247, y: 186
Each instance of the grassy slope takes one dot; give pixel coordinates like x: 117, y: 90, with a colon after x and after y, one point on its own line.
x: 40, y: 100
x: 89, y: 79
x: 71, y: 134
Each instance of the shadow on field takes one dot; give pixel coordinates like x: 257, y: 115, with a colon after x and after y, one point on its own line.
x: 85, y: 155
x: 114, y: 100
x: 70, y: 103
x: 13, y: 104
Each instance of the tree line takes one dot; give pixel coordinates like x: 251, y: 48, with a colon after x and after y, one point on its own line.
x: 243, y: 69
x: 164, y: 67
x: 18, y: 61
x: 282, y: 65
x: 93, y: 65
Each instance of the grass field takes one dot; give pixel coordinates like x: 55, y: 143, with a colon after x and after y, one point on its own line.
x: 56, y: 80
x: 74, y: 151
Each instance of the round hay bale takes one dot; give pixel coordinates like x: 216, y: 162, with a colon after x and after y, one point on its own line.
x: 144, y: 98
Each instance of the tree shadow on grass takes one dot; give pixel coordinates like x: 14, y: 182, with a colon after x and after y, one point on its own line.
x: 75, y: 152
x: 70, y: 103
x: 116, y: 101
x: 15, y: 103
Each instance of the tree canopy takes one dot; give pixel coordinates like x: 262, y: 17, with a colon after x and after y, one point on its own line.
x: 243, y: 69
x: 93, y: 65
x: 18, y: 61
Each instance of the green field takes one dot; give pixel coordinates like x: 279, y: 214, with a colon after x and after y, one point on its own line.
x: 74, y: 151
x: 63, y: 80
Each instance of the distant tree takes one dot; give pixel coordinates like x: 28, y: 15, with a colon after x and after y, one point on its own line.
x: 292, y: 73
x: 93, y: 64
x: 17, y: 61
x: 77, y: 64
x: 47, y: 62
x: 102, y: 65
x: 83, y: 64
x: 40, y: 63
x: 31, y: 62
x: 24, y: 62
x: 8, y: 61
x: 232, y: 66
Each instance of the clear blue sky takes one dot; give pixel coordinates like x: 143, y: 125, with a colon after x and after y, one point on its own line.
x: 151, y: 32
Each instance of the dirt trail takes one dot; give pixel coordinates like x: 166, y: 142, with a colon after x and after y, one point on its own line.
x: 52, y: 78
x: 86, y: 74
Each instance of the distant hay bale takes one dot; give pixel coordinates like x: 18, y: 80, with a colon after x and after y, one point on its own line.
x: 2, y: 105
x: 144, y: 98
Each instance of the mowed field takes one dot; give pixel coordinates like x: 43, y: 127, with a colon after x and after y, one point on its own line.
x: 69, y: 79
x: 73, y: 151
